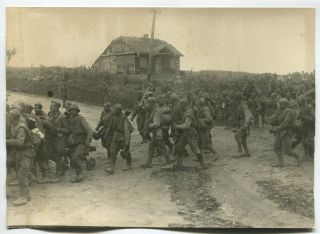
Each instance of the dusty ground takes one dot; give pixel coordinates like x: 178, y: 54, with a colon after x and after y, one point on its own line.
x: 233, y: 192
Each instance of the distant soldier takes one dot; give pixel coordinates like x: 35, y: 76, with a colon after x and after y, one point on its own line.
x: 78, y: 141
x: 307, y: 116
x: 189, y: 135
x: 242, y: 118
x: 272, y: 105
x: 21, y: 142
x: 282, y: 122
x: 157, y: 140
x: 64, y: 92
x: 263, y: 109
x: 225, y: 108
x: 120, y: 139
x: 104, y: 89
x: 255, y: 107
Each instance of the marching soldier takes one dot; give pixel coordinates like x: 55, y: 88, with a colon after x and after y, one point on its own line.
x: 52, y: 141
x: 189, y: 135
x: 157, y: 140
x: 21, y: 142
x: 122, y: 130
x: 282, y: 127
x: 204, y: 126
x: 242, y: 118
x: 307, y: 116
x: 79, y: 140
x: 139, y: 114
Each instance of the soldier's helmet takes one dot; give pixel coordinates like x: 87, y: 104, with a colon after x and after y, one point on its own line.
x: 202, y: 101
x: 117, y: 106
x: 183, y: 102
x: 173, y: 97
x: 152, y: 100
x: 238, y: 95
x: 108, y: 104
x: 56, y: 102
x: 28, y: 108
x: 14, y: 114
x: 38, y: 105
x: 74, y: 107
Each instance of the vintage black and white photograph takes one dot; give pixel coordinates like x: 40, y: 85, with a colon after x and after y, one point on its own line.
x: 160, y: 117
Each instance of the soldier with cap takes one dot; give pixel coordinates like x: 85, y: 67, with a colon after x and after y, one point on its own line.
x: 21, y: 142
x: 282, y: 128
x: 80, y: 136
x: 39, y: 112
x: 157, y: 141
x: 106, y: 110
x: 188, y: 136
x: 121, y: 129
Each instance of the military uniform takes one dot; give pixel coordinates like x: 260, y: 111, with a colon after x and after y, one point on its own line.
x: 188, y: 137
x: 158, y: 137
x: 78, y: 141
x: 204, y: 126
x: 283, y: 130
x: 307, y: 116
x: 21, y: 142
x: 120, y: 139
x: 242, y: 124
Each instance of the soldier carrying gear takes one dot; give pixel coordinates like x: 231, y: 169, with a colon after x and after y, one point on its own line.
x: 106, y: 110
x: 157, y: 140
x: 121, y: 129
x: 139, y: 113
x: 189, y: 135
x: 204, y: 126
x: 282, y: 122
x: 20, y: 142
x: 78, y: 141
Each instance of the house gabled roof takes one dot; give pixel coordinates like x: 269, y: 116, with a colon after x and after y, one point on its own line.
x: 140, y: 45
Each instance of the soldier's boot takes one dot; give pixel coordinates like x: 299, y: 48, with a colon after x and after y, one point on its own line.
x: 45, y: 178
x: 239, y: 147
x: 20, y: 201
x: 203, y: 164
x: 280, y: 162
x: 246, y: 150
x: 129, y: 165
x: 179, y: 161
x: 59, y: 173
x: 110, y: 168
x: 148, y: 164
x: 79, y: 175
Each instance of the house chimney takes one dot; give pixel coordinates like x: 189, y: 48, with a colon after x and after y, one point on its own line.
x: 145, y: 35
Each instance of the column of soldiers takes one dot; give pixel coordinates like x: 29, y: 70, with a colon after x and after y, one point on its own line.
x: 35, y: 137
x: 168, y: 122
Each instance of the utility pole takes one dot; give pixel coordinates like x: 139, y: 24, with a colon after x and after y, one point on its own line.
x: 151, y: 44
x: 238, y: 64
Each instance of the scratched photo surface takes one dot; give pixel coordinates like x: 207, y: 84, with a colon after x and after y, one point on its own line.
x: 167, y: 117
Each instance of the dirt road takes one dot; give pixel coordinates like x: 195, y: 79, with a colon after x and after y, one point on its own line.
x: 233, y: 192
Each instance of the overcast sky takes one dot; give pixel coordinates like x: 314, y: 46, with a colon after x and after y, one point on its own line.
x: 260, y: 40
